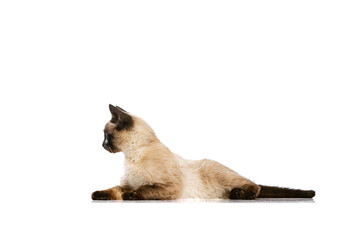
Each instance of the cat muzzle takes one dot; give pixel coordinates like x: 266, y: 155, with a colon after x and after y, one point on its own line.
x: 107, y: 147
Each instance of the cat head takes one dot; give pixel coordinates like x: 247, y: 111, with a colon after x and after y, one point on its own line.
x: 125, y: 131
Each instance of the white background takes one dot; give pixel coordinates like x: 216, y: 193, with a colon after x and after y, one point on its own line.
x: 268, y: 88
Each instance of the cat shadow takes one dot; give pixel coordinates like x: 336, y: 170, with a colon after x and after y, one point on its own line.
x: 260, y: 200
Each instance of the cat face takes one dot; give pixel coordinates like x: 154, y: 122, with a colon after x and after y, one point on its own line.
x: 117, y: 129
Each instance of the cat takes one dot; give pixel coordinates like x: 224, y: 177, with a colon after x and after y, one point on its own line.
x: 153, y: 172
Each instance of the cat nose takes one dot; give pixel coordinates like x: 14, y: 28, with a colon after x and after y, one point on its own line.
x: 106, y: 140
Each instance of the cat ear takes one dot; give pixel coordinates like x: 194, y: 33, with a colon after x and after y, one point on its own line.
x: 115, y: 113
x: 119, y: 117
x: 121, y: 109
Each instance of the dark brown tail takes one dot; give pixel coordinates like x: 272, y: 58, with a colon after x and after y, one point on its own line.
x: 279, y: 192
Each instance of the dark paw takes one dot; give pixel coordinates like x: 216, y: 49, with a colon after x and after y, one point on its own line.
x: 239, y: 193
x: 100, y: 195
x: 131, y: 195
x: 250, y: 195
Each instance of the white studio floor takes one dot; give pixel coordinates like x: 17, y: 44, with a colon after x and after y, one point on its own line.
x: 74, y: 215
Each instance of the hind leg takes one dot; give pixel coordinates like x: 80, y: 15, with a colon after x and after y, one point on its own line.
x: 242, y: 188
x: 233, y: 185
x: 249, y: 192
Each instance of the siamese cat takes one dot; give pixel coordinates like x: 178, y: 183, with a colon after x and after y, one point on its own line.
x: 153, y: 172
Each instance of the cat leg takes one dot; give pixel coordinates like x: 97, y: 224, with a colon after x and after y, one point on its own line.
x: 231, y: 184
x: 248, y: 191
x: 238, y: 187
x: 113, y: 193
x: 153, y: 192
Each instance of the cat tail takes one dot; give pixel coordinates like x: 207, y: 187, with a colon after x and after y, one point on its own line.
x: 279, y: 192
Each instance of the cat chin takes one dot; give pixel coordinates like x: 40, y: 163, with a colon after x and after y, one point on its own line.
x: 111, y: 150
x: 107, y: 148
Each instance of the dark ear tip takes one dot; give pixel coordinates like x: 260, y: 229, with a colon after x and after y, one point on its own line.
x: 121, y: 109
x: 111, y: 106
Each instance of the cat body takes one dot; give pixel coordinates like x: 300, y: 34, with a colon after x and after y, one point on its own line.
x: 153, y: 172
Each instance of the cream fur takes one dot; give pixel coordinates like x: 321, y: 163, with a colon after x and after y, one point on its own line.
x: 148, y: 162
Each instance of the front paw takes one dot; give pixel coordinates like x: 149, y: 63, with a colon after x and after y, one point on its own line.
x: 131, y: 195
x: 100, y: 195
